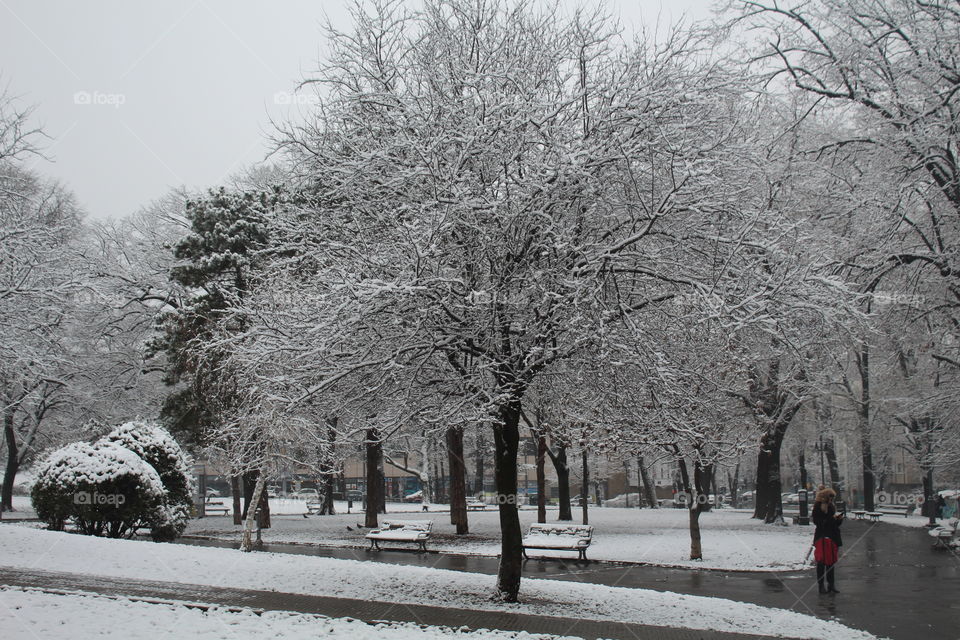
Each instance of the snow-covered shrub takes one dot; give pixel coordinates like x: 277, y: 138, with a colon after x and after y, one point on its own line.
x: 158, y: 448
x: 105, y: 488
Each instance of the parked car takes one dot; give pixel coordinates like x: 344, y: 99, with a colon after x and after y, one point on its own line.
x: 416, y: 496
x: 355, y: 495
x: 790, y: 498
x: 307, y: 494
x: 273, y: 491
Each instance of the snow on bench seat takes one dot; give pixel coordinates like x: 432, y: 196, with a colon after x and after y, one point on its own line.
x: 563, y: 537
x: 416, y: 531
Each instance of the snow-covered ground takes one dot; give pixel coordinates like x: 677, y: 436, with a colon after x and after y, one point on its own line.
x: 31, y: 614
x: 731, y: 539
x: 32, y: 548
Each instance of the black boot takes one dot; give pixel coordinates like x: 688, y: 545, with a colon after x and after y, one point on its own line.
x: 831, y: 578
x: 821, y: 570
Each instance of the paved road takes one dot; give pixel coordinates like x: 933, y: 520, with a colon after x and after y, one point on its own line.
x: 366, y: 610
x: 892, y: 583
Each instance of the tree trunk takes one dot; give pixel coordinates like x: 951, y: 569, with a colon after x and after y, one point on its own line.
x: 695, y: 504
x: 458, y: 480
x: 541, y: 477
x: 648, y: 490
x: 803, y: 469
x: 250, y: 481
x: 246, y: 544
x: 506, y: 436
x: 374, y: 449
x: 929, y: 508
x: 768, y: 503
x: 585, y: 487
x: 863, y: 422
x: 833, y: 465
x: 328, y: 458
x: 626, y: 482
x: 733, y: 482
x: 478, y: 471
x: 13, y: 461
x: 235, y: 492
x: 559, y: 460
x: 328, y: 490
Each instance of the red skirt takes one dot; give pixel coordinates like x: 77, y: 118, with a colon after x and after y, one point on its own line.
x: 825, y: 551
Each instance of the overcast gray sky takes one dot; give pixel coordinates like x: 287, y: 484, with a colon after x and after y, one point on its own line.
x: 139, y: 97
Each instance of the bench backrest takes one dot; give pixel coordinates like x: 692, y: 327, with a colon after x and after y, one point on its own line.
x: 573, y: 530
x: 408, y: 525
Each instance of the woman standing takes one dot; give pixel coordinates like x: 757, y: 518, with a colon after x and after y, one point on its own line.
x: 826, y: 538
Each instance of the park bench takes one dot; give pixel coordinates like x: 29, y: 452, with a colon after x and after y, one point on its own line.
x: 874, y: 515
x: 859, y: 515
x: 476, y: 504
x: 897, y: 509
x: 943, y: 536
x: 209, y: 508
x: 562, y: 537
x: 416, y: 531
x: 314, y: 507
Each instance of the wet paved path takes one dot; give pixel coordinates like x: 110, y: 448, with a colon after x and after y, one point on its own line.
x: 892, y: 582
x: 368, y: 611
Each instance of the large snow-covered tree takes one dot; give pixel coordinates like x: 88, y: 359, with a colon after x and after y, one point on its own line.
x: 499, y: 183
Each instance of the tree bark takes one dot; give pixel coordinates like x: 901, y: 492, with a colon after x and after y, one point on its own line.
x: 626, y: 482
x: 929, y: 508
x: 696, y: 494
x: 478, y: 471
x: 329, y: 463
x: 250, y: 481
x: 649, y: 491
x: 834, y: 466
x: 374, y: 450
x: 559, y: 460
x: 585, y: 487
x: 734, y: 486
x: 13, y: 461
x: 235, y: 492
x: 863, y: 422
x: 246, y: 544
x: 768, y: 501
x: 458, y: 480
x: 541, y: 477
x: 506, y: 436
x: 803, y: 468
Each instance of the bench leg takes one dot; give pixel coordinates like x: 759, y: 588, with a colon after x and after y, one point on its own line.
x: 423, y: 546
x: 525, y: 553
x: 583, y: 554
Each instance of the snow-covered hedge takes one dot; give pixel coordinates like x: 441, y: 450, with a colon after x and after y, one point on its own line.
x: 104, y: 487
x: 158, y: 448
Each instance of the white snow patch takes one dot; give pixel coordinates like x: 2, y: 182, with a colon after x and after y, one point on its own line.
x: 30, y: 614
x: 56, y: 551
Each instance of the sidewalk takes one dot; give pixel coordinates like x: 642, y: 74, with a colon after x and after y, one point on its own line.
x: 367, y: 611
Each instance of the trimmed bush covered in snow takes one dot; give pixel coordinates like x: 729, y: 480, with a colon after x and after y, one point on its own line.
x: 105, y: 488
x: 158, y: 448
